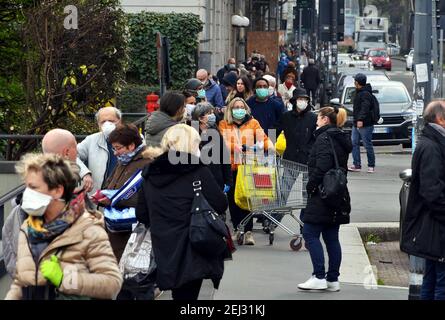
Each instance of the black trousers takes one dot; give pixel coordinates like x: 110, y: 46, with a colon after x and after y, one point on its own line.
x: 188, y: 291
x: 236, y: 213
x: 312, y: 93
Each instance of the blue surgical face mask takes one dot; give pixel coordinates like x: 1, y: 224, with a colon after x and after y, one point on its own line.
x: 211, y: 120
x: 239, y: 114
x: 262, y: 93
x: 201, y: 94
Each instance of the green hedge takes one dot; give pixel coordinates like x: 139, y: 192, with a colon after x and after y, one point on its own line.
x: 181, y: 29
x: 132, y: 98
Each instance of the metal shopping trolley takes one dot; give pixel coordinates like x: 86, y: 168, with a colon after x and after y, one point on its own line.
x: 274, y: 187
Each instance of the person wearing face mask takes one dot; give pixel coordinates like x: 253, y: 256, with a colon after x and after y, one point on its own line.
x: 298, y: 126
x: 214, y: 151
x: 63, y: 249
x: 287, y: 88
x: 190, y: 104
x: 264, y: 108
x: 60, y: 142
x: 171, y: 112
x: 240, y: 131
x: 273, y: 94
x: 212, y: 90
x: 127, y: 147
x: 95, y: 150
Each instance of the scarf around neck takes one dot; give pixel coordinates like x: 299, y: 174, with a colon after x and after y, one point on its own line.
x: 40, y: 231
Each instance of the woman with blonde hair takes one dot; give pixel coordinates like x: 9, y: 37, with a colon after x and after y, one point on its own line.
x: 164, y: 205
x: 63, y: 250
x: 321, y: 217
x: 240, y: 132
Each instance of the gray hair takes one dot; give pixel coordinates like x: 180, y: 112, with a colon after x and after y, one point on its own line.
x: 118, y: 113
x: 435, y: 109
x: 201, y: 109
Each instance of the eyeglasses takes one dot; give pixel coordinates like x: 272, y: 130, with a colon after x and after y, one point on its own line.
x: 117, y: 148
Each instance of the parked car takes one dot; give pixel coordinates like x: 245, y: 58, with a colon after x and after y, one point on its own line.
x: 409, y: 60
x: 396, y: 110
x: 380, y: 59
x: 393, y: 49
x: 346, y: 77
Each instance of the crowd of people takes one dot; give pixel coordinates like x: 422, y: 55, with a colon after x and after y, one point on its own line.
x: 61, y: 241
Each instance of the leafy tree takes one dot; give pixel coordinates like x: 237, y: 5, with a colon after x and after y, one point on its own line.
x: 60, y: 73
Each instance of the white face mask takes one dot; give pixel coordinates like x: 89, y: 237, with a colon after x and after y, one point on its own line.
x: 271, y: 91
x: 289, y: 106
x: 107, y: 128
x: 35, y: 203
x: 301, y: 105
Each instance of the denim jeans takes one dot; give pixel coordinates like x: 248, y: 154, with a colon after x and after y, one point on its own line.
x: 364, y: 134
x: 311, y: 235
x: 433, y: 285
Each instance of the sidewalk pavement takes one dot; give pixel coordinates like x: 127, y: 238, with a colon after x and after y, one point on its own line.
x: 264, y: 272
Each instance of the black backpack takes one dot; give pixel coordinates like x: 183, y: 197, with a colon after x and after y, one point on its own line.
x: 375, y: 110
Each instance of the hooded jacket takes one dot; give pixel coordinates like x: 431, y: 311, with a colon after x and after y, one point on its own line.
x: 299, y: 128
x: 158, y: 123
x: 321, y: 160
x: 423, y: 228
x: 267, y: 112
x: 363, y: 105
x: 88, y: 263
x: 213, y: 94
x: 164, y: 205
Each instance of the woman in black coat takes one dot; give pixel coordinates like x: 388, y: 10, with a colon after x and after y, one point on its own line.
x: 214, y: 151
x: 164, y: 205
x: 319, y: 218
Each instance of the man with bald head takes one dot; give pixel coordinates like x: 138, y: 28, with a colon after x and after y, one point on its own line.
x: 213, y: 91
x: 95, y: 150
x: 63, y: 143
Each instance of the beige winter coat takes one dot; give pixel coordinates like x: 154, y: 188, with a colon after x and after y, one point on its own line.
x: 88, y: 263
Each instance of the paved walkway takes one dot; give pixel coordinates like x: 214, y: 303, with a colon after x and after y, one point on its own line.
x: 264, y: 272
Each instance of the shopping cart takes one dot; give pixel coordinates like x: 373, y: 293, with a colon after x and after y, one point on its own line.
x: 275, y: 187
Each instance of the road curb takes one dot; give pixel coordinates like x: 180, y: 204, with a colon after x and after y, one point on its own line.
x: 398, y: 58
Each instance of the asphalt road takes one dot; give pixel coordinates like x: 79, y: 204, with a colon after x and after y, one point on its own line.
x: 399, y: 73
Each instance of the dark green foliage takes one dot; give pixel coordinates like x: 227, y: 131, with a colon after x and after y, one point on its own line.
x: 181, y: 29
x: 132, y: 98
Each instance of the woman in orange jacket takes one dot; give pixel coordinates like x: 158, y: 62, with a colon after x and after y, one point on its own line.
x: 241, y: 132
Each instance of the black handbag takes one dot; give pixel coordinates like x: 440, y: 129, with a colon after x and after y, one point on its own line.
x: 208, y: 232
x: 334, y: 186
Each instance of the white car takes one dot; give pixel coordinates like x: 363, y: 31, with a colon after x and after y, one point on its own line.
x: 409, y: 60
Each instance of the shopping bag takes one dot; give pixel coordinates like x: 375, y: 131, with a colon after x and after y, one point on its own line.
x: 280, y: 146
x: 255, y: 186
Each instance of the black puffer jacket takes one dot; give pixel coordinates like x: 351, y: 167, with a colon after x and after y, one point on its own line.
x: 321, y: 160
x: 423, y: 229
x: 299, y: 131
x: 311, y: 77
x: 363, y: 106
x: 164, y: 204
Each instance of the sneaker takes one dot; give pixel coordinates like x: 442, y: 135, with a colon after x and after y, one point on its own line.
x: 371, y: 169
x: 235, y: 236
x: 248, y: 239
x: 158, y: 293
x: 314, y: 284
x: 333, y: 286
x: 353, y: 168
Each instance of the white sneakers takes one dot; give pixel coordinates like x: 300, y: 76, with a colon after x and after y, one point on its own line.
x: 333, y: 286
x: 319, y: 284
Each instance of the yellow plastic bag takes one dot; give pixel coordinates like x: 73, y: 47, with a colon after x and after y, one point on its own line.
x: 255, y: 186
x: 280, y: 146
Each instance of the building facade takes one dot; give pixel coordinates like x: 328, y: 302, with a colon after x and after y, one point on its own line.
x: 217, y: 38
